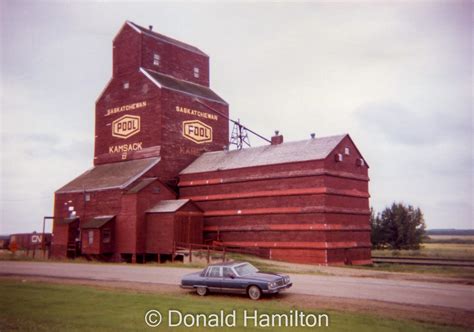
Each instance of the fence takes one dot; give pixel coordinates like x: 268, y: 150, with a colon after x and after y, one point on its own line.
x: 215, y: 247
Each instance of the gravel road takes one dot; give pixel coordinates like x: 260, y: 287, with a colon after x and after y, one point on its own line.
x: 393, y: 291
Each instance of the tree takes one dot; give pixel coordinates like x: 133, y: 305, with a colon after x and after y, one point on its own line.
x: 377, y: 236
x: 398, y: 227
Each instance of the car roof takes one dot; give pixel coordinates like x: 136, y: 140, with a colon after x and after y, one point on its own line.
x: 227, y: 264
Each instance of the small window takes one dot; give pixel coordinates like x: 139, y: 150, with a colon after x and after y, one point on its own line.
x: 156, y: 59
x: 87, y: 197
x: 126, y: 85
x: 91, y: 237
x: 196, y: 72
x: 106, y: 235
x: 347, y: 151
x: 227, y: 272
x: 215, y: 272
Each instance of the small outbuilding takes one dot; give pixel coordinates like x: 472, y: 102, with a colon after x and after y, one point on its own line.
x: 97, y: 236
x: 171, y: 222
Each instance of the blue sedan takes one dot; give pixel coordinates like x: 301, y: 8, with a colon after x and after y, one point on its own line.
x: 236, y: 277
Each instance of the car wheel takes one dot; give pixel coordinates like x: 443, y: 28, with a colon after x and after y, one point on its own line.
x: 201, y: 291
x: 254, y: 292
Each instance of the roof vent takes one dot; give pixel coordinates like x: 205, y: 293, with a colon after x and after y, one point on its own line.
x: 313, y: 135
x: 150, y: 27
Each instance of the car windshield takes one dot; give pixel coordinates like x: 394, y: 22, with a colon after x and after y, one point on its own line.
x: 244, y: 269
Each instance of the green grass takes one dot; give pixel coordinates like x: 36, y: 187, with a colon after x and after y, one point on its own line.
x: 33, y: 306
x: 466, y: 273
x: 433, y: 250
x: 444, y: 250
x: 444, y: 271
x: 21, y: 255
x: 463, y: 239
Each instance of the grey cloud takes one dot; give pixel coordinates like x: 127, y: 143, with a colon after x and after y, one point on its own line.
x: 36, y: 138
x: 404, y: 125
x: 396, y: 122
x: 46, y: 145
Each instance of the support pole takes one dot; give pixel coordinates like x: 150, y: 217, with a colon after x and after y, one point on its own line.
x: 173, y: 252
x: 190, y: 253
x: 43, y: 239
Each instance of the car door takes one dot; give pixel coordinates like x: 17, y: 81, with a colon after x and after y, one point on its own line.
x: 214, y: 278
x: 231, y: 284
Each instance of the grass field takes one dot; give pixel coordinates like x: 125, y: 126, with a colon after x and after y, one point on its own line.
x: 433, y: 250
x: 34, y: 306
x: 443, y: 248
x: 465, y: 274
x: 467, y: 239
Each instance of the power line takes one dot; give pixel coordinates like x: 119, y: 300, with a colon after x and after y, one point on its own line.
x: 236, y: 123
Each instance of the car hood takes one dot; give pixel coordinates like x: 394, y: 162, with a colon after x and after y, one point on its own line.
x: 263, y: 276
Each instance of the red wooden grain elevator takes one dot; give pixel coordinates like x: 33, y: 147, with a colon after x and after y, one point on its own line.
x: 161, y: 175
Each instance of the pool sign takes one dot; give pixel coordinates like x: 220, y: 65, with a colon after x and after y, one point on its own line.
x: 126, y: 126
x: 197, y: 131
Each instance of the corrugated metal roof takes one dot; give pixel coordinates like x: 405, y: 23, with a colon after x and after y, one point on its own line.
x: 67, y: 221
x: 167, y: 39
x: 167, y: 206
x: 142, y: 183
x: 110, y: 176
x: 169, y: 82
x: 312, y: 149
x: 97, y: 222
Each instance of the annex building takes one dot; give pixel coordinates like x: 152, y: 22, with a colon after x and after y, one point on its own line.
x: 162, y: 174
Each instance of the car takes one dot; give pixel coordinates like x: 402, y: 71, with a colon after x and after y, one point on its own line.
x: 236, y: 277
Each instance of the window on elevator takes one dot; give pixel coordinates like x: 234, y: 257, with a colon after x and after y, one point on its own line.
x: 156, y: 59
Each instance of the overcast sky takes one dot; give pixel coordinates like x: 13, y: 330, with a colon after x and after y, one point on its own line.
x: 396, y: 76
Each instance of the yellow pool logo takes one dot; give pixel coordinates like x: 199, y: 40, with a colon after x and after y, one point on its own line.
x: 126, y: 126
x: 197, y: 131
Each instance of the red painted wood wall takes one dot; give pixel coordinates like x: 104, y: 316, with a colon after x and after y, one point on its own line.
x: 185, y: 226
x: 320, y: 215
x: 313, y: 212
